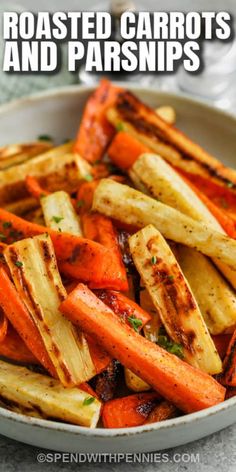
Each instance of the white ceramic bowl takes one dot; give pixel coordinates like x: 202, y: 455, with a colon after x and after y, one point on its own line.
x: 58, y: 113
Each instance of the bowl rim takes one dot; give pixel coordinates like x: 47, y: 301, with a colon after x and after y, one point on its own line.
x: 131, y: 431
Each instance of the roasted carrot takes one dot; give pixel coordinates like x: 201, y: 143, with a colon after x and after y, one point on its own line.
x: 122, y: 306
x: 129, y: 411
x: 85, y: 195
x: 164, y: 411
x: 187, y: 387
x: 125, y: 150
x: 14, y: 348
x: 99, y: 228
x: 3, y: 325
x: 221, y: 342
x: 34, y: 187
x: 18, y: 315
x: 230, y: 363
x: 95, y: 132
x: 78, y: 257
x: 99, y: 356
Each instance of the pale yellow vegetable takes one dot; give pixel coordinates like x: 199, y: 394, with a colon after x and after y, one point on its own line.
x: 134, y: 382
x: 59, y: 213
x: 33, y: 267
x: 130, y: 206
x: 15, y: 154
x: 173, y: 298
x: 167, y: 113
x: 41, y: 396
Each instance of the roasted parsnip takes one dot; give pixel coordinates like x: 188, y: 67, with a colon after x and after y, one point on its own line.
x: 135, y: 383
x: 15, y: 154
x: 167, y: 113
x: 59, y: 213
x: 172, y: 297
x: 38, y: 395
x: 130, y: 206
x: 33, y: 267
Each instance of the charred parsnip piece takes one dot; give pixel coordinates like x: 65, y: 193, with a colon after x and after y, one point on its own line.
x: 130, y: 206
x: 59, y: 213
x: 216, y: 300
x: 15, y: 154
x: 173, y: 299
x: 155, y: 177
x: 34, y: 271
x: 41, y: 396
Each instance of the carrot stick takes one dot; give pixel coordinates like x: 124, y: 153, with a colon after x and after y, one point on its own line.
x: 187, y: 387
x: 230, y: 363
x: 125, y: 150
x: 95, y: 132
x: 78, y: 257
x: 99, y: 228
x: 129, y: 411
x: 164, y: 411
x: 20, y: 318
x: 221, y: 342
x: 122, y: 306
x: 3, y: 325
x: 85, y: 195
x: 34, y: 188
x: 14, y: 348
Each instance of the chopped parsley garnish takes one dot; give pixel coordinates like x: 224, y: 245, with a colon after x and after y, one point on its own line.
x: 2, y: 236
x: 230, y: 184
x: 88, y: 178
x: 120, y: 127
x: 80, y: 203
x: 171, y: 278
x: 44, y: 137
x: 7, y: 224
x: 88, y: 401
x: 164, y: 341
x: 153, y: 260
x: 57, y: 219
x: 19, y: 264
x: 134, y: 322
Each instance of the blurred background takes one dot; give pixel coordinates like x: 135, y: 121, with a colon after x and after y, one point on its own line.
x: 216, y: 84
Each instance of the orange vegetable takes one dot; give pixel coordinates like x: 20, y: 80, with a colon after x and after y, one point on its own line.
x: 221, y: 342
x: 125, y: 150
x: 18, y: 315
x: 77, y: 257
x: 99, y: 228
x: 162, y: 412
x: 124, y: 307
x: 230, y: 363
x: 3, y: 325
x: 85, y: 195
x: 129, y: 411
x: 187, y: 387
x: 34, y: 188
x: 95, y: 132
x: 14, y: 348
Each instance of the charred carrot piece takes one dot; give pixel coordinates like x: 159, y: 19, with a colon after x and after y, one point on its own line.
x: 221, y: 342
x: 85, y: 195
x: 34, y: 187
x: 14, y: 348
x: 18, y: 315
x: 125, y: 150
x: 230, y: 363
x: 95, y: 132
x: 187, y: 387
x: 78, y: 257
x: 127, y: 309
x: 129, y: 411
x: 99, y: 228
x: 3, y: 325
x: 164, y: 411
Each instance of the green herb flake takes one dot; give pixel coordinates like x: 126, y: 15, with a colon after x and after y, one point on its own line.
x: 2, y: 236
x: 7, y: 224
x: 88, y: 178
x: 135, y: 322
x: 44, y: 137
x: 19, y: 264
x: 230, y: 184
x: 171, y: 278
x: 57, y: 219
x: 153, y: 260
x: 80, y: 203
x: 87, y: 401
x: 166, y: 343
x: 120, y: 127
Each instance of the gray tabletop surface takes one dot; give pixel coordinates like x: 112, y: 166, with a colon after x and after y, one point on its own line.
x: 216, y: 452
